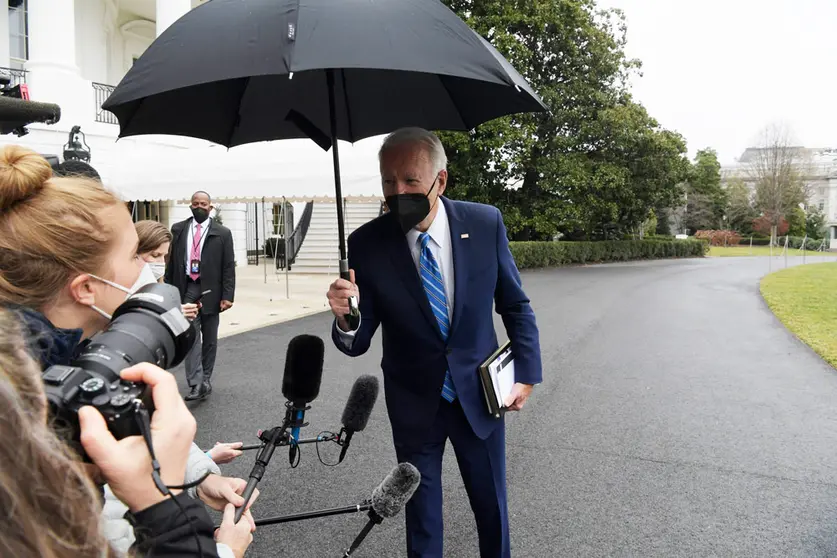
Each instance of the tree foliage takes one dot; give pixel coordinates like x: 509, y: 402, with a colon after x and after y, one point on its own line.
x: 597, y: 163
x: 778, y: 169
x: 740, y: 211
x: 815, y: 224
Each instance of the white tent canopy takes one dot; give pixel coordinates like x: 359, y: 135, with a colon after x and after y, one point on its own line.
x: 297, y: 170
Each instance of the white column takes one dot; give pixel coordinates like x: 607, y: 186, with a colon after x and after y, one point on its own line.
x: 234, y: 216
x: 4, y: 32
x: 53, y: 74
x: 52, y: 35
x: 169, y: 11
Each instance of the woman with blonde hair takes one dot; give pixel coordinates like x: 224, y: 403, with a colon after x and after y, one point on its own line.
x: 53, y: 507
x: 68, y: 258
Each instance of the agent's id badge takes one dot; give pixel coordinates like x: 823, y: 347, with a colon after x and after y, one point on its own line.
x: 195, y: 267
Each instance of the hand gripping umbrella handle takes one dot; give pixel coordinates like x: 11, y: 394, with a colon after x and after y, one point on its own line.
x: 353, y: 317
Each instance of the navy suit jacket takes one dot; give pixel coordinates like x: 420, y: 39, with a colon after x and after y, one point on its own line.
x: 415, y: 357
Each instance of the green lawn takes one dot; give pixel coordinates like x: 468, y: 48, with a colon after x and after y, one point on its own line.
x: 726, y: 251
x: 805, y: 300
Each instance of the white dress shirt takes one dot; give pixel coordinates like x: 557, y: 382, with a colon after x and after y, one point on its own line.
x: 190, y: 237
x: 442, y: 250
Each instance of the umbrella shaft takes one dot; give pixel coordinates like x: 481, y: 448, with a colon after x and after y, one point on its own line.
x: 338, y: 188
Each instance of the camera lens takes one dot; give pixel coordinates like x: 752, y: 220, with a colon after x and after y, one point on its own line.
x: 148, y: 327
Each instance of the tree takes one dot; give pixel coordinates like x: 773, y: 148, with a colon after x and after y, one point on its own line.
x: 705, y: 179
x: 740, y: 212
x: 767, y: 223
x: 597, y: 162
x: 778, y: 169
x: 663, y: 220
x: 650, y: 225
x: 796, y: 222
x: 815, y: 224
x: 700, y: 213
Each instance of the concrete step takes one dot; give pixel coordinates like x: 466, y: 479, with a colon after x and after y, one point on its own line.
x: 320, y: 249
x: 331, y: 263
x: 312, y: 270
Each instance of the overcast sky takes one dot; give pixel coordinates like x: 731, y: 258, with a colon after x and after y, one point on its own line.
x: 718, y: 71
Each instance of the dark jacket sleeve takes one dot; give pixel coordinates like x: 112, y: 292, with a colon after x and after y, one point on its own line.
x: 228, y: 269
x: 518, y: 317
x: 168, y: 277
x: 164, y: 531
x: 369, y: 322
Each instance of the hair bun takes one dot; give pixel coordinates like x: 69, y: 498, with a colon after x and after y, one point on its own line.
x: 23, y: 174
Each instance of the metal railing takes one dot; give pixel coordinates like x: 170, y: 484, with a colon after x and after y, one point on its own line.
x: 298, y: 236
x: 287, y: 249
x: 15, y: 76
x: 102, y: 92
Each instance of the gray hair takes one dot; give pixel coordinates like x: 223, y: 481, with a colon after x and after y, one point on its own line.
x: 421, y: 137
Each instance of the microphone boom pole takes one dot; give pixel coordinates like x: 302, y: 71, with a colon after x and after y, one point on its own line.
x: 374, y: 519
x: 259, y: 467
x: 357, y: 508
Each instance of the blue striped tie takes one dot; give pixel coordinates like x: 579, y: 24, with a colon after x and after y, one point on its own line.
x: 434, y: 287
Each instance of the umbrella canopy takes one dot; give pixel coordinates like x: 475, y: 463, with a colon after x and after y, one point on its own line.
x: 241, y: 71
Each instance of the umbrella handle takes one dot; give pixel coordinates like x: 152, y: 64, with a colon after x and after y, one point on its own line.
x: 353, y: 317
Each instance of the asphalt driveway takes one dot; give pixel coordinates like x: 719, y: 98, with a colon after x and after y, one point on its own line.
x: 677, y: 418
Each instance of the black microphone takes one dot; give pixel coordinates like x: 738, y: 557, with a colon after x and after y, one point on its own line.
x: 20, y: 112
x: 358, y: 409
x: 300, y: 385
x: 389, y: 498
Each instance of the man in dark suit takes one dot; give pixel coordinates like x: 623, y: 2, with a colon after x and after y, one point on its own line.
x: 201, y: 259
x: 429, y: 273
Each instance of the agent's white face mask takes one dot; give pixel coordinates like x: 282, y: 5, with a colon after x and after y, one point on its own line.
x: 157, y: 268
x: 146, y: 277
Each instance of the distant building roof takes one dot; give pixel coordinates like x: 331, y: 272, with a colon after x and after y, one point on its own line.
x: 751, y: 153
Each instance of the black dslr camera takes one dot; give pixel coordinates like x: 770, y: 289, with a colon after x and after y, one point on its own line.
x: 148, y: 327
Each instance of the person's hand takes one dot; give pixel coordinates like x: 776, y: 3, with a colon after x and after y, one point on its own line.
x: 518, y: 396
x: 237, y: 536
x: 226, y: 305
x: 338, y: 298
x: 190, y: 311
x: 224, y: 453
x: 126, y: 463
x: 217, y: 491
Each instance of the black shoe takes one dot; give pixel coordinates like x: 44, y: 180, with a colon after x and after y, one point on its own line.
x: 207, y: 387
x: 198, y: 392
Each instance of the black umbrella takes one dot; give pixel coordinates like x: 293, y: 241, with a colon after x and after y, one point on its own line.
x: 242, y: 71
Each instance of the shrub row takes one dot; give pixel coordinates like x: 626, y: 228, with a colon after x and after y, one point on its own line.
x: 719, y: 238
x: 550, y: 254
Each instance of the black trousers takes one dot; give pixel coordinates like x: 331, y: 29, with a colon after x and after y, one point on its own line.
x: 200, y: 361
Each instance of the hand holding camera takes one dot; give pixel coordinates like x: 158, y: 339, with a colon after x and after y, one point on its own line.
x: 126, y: 463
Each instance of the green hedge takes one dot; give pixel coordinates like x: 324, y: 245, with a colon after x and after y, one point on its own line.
x: 550, y: 254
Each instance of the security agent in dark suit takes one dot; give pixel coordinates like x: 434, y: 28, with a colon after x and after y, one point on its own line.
x: 429, y: 273
x: 201, y: 259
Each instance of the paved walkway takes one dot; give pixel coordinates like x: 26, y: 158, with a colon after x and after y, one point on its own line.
x: 677, y: 418
x: 263, y: 298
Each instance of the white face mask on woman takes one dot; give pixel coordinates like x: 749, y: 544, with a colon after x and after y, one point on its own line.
x: 158, y: 269
x: 146, y: 277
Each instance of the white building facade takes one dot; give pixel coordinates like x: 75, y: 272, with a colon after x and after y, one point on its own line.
x: 74, y: 52
x: 820, y: 178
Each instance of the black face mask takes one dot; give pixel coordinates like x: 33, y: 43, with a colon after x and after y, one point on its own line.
x: 200, y: 214
x: 410, y: 209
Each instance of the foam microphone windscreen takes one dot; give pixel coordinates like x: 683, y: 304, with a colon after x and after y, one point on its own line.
x: 303, y: 369
x: 21, y: 110
x: 360, y: 403
x: 396, y: 490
